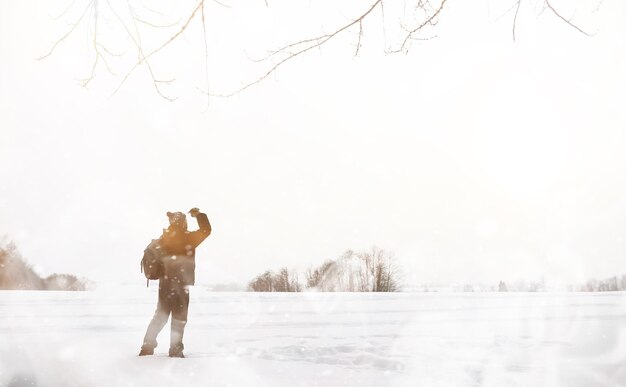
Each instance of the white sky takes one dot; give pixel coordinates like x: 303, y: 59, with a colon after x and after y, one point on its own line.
x: 473, y: 158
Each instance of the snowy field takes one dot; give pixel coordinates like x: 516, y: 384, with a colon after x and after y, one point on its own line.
x: 317, y: 339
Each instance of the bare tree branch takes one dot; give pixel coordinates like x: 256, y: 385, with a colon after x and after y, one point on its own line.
x: 599, y: 6
x: 429, y: 21
x: 154, y: 11
x: 144, y: 58
x: 74, y: 25
x: 140, y: 20
x: 512, y: 7
x: 519, y: 2
x: 84, y: 82
x: 176, y: 35
x: 416, y: 24
x: 225, y: 5
x: 137, y: 41
x: 567, y: 21
x: 382, y: 15
x: 70, y: 6
x: 206, y: 59
x: 358, y: 43
x: 109, y: 51
x: 302, y: 47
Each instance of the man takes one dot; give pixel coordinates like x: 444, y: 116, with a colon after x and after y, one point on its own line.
x: 179, y: 246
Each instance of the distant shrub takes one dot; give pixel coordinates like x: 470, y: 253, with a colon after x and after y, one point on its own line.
x: 612, y: 284
x: 64, y: 282
x: 373, y: 270
x: 16, y: 274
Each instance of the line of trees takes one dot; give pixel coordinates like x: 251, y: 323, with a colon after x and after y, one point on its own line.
x: 502, y: 286
x: 283, y: 281
x: 17, y: 274
x: 613, y: 284
x: 373, y: 270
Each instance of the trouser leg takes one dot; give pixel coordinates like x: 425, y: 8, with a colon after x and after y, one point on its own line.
x: 176, y: 337
x: 180, y: 307
x: 159, y: 320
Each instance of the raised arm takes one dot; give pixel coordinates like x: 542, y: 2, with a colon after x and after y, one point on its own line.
x: 196, y: 237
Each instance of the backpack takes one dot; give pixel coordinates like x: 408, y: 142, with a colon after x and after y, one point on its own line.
x: 152, y: 261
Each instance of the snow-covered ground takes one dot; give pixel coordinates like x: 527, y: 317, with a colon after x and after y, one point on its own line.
x: 317, y: 339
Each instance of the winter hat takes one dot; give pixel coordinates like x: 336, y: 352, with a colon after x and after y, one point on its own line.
x: 177, y: 218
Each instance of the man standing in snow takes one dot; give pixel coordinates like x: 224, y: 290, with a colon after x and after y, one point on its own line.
x: 179, y: 266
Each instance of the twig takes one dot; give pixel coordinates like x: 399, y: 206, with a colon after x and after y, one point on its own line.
x: 85, y: 82
x: 222, y: 4
x: 519, y: 2
x: 206, y: 60
x: 144, y: 58
x: 554, y: 11
x: 428, y: 21
x: 140, y: 20
x: 420, y: 16
x: 140, y: 54
x: 599, y: 5
x: 70, y: 6
x: 302, y: 47
x: 358, y: 43
x: 59, y: 41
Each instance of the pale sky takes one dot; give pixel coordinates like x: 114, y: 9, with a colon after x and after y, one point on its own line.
x: 472, y: 157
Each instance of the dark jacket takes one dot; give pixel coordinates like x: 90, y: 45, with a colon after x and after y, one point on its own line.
x: 180, y: 247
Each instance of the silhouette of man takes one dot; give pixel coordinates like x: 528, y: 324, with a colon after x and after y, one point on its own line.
x: 179, y: 246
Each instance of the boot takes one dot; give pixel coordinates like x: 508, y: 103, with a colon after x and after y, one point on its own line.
x: 176, y: 338
x: 145, y: 351
x: 156, y: 324
x: 176, y: 352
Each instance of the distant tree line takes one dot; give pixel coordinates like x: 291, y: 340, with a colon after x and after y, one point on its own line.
x: 612, y: 284
x: 373, y: 270
x: 283, y: 281
x: 522, y: 286
x: 16, y: 274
